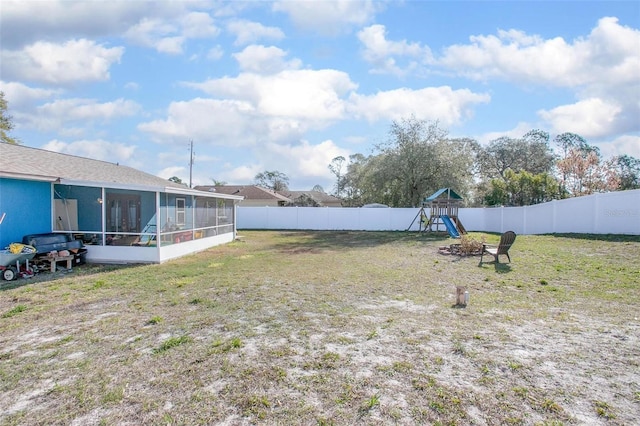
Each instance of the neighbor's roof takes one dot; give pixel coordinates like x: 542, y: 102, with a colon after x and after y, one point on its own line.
x: 446, y: 191
x: 249, y: 192
x: 23, y: 162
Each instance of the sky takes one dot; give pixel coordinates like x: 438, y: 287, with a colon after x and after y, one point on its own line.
x: 289, y: 85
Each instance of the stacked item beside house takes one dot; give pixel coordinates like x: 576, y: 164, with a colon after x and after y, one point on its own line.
x: 53, y: 248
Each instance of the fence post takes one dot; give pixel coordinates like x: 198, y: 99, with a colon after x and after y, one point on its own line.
x: 596, y: 217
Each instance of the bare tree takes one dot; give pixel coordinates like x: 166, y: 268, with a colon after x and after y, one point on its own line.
x: 337, y: 165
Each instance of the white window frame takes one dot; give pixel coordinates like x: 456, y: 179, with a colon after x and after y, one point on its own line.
x: 181, y: 212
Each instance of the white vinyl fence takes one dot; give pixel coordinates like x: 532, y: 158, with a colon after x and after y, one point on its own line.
x: 610, y: 213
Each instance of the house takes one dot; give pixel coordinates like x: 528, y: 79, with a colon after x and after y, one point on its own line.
x: 121, y: 214
x: 253, y: 195
x: 257, y: 196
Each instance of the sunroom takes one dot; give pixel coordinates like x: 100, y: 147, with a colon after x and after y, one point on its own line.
x: 129, y: 224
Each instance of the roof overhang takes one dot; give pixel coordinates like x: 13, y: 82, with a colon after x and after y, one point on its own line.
x: 199, y: 193
x: 27, y: 176
x: 149, y: 188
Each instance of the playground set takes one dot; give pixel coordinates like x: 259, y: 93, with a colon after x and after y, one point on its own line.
x: 443, y: 208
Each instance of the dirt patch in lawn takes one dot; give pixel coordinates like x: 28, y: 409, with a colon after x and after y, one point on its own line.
x: 290, y: 329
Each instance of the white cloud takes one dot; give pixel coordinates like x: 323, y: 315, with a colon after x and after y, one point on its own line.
x: 590, y: 118
x: 515, y: 56
x: 170, y: 45
x: 57, y: 114
x: 517, y: 132
x: 214, y: 122
x: 198, y: 25
x: 113, y: 152
x: 169, y: 172
x: 303, y: 159
x: 169, y: 34
x: 313, y: 96
x: 265, y: 60
x: 384, y: 54
x: 623, y: 145
x: 280, y: 108
x: 160, y: 25
x: 156, y: 33
x: 250, y: 32
x: 328, y: 17
x: 603, y: 70
x: 19, y: 95
x: 239, y: 175
x: 24, y: 22
x: 444, y: 104
x: 609, y: 56
x: 71, y: 62
x: 215, y: 53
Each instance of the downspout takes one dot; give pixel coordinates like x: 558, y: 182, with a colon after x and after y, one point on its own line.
x: 235, y: 216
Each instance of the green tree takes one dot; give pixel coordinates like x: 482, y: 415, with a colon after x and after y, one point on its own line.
x: 531, y: 153
x: 411, y: 160
x: 419, y: 159
x: 176, y: 179
x: 571, y: 141
x: 353, y: 180
x: 6, y: 122
x: 521, y: 189
x: 628, y: 169
x: 416, y: 160
x: 303, y: 200
x: 274, y: 180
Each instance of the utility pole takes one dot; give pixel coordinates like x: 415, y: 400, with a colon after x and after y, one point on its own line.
x: 190, y: 162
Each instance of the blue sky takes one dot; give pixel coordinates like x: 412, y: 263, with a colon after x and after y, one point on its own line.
x: 290, y: 85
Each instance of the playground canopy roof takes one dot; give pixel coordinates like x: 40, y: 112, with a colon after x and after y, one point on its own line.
x: 450, y: 194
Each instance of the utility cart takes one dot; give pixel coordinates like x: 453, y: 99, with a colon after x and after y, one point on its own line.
x: 14, y: 265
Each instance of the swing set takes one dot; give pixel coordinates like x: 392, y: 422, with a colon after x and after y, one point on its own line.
x: 443, y: 208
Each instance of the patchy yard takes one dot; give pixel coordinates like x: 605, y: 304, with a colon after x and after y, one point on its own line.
x: 321, y: 328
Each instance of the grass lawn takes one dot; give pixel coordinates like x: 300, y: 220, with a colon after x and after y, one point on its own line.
x: 331, y: 328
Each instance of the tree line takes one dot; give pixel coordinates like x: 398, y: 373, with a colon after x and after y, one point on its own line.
x: 418, y: 158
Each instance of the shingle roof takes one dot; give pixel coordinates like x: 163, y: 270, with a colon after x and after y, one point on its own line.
x: 24, y: 161
x: 318, y: 196
x: 250, y: 192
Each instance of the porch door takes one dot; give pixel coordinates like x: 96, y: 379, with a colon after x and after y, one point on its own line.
x: 123, y: 213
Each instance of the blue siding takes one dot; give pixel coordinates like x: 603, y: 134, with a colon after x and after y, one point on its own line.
x: 27, y: 205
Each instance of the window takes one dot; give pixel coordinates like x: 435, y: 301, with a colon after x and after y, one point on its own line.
x: 181, y: 215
